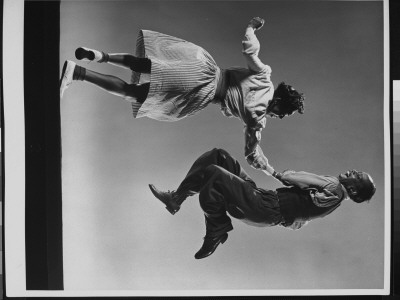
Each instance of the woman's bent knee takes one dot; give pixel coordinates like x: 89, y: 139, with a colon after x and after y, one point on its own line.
x: 139, y: 92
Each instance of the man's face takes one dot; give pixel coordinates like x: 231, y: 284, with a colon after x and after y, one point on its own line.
x: 354, y: 180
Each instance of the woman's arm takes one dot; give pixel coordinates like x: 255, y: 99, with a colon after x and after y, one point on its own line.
x: 251, y: 45
x: 253, y: 152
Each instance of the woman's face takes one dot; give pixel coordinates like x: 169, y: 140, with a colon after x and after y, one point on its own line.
x: 275, y: 111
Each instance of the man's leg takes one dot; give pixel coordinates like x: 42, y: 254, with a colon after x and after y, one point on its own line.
x: 221, y: 191
x: 194, y: 180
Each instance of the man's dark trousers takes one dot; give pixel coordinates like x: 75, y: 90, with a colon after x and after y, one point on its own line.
x: 225, y: 187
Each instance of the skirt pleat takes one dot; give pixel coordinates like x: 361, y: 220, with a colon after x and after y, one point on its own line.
x: 183, y: 77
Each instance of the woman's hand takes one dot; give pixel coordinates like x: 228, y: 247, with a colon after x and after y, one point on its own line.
x: 270, y: 170
x: 256, y: 23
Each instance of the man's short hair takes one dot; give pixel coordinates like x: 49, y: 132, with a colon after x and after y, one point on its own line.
x: 366, y: 189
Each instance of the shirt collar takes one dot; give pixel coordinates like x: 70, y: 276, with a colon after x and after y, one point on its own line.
x: 345, y: 194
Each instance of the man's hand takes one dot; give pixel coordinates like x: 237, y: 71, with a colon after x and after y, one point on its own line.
x: 256, y: 23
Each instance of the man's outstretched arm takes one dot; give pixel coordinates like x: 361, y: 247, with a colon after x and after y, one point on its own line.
x: 320, y: 185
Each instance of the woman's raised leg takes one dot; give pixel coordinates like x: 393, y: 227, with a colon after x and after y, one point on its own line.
x: 128, y: 61
x: 124, y: 60
x: 117, y: 86
x: 109, y: 83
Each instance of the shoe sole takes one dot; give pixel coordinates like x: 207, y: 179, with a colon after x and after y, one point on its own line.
x: 223, y: 240
x: 63, y: 72
x: 82, y: 53
x: 63, y: 84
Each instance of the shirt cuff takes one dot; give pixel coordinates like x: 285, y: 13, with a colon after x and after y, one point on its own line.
x: 277, y: 175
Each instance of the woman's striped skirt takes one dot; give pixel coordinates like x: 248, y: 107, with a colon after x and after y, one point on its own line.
x: 183, y: 77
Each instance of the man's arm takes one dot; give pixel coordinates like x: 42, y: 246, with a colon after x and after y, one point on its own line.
x: 251, y: 45
x: 322, y: 196
x: 303, y: 180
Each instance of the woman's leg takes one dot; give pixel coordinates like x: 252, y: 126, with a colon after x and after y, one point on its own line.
x: 128, y: 61
x: 124, y: 60
x: 112, y: 84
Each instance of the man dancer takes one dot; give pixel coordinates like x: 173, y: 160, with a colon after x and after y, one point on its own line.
x: 224, y: 187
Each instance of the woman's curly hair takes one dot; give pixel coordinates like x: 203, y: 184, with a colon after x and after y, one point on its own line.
x: 288, y: 99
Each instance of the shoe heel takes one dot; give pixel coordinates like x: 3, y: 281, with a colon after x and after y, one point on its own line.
x: 224, y: 239
x: 171, y: 210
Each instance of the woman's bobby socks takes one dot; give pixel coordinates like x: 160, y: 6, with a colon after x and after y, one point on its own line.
x: 104, y: 57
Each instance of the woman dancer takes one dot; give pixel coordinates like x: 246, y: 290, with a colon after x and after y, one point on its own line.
x: 183, y: 78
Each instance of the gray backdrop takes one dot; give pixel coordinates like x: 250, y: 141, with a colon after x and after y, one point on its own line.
x: 117, y: 236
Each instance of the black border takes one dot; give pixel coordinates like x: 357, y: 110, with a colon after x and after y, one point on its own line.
x: 43, y: 198
x: 2, y: 281
x: 394, y: 65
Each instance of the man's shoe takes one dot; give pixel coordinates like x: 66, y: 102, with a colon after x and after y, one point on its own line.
x: 83, y: 53
x: 66, y: 76
x: 210, y: 244
x: 167, y: 198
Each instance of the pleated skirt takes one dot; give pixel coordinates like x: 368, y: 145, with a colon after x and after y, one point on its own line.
x: 183, y: 77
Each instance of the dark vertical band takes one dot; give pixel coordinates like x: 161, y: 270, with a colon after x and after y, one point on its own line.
x: 43, y: 202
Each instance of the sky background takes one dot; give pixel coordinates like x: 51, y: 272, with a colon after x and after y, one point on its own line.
x: 117, y: 236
